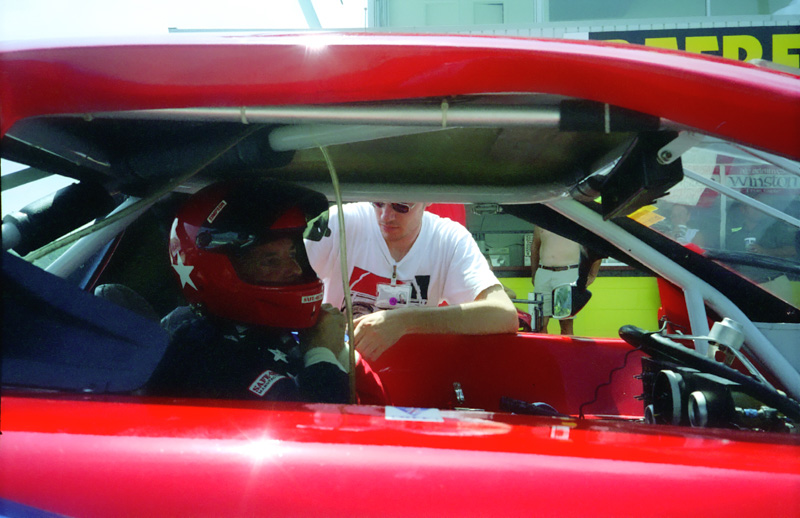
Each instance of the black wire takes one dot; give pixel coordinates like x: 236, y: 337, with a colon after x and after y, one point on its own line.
x: 610, y: 375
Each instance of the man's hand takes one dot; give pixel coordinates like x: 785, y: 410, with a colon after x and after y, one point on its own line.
x: 376, y: 332
x: 328, y: 332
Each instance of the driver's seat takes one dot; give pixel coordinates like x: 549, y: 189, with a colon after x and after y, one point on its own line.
x: 59, y: 337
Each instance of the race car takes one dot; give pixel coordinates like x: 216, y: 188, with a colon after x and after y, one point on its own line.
x: 595, y: 141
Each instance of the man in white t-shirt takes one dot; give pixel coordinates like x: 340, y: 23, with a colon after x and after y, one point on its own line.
x: 403, y: 262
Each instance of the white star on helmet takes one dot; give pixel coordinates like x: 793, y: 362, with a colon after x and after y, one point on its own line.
x: 184, y: 271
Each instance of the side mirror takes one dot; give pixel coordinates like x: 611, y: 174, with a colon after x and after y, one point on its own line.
x: 568, y: 299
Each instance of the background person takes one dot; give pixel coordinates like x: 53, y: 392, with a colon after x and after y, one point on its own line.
x: 759, y: 233
x: 680, y: 217
x: 399, y: 251
x: 556, y: 260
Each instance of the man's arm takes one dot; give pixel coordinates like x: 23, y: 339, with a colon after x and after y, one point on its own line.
x: 777, y: 241
x: 536, y: 244
x: 593, y: 271
x: 491, y: 312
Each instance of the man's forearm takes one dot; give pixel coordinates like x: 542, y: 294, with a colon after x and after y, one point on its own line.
x: 492, y: 312
x: 490, y: 315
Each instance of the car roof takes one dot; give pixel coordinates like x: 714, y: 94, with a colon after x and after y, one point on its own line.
x: 700, y: 91
x: 137, y: 104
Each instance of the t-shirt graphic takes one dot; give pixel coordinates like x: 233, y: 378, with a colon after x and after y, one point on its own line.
x: 364, y: 290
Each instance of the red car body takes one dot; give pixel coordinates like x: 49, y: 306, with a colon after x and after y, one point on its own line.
x: 119, y: 455
x: 100, y: 456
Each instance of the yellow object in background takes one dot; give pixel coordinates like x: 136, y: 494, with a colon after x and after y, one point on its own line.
x: 646, y: 216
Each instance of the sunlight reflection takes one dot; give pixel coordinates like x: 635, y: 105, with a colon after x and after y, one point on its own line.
x: 316, y: 45
x: 259, y: 450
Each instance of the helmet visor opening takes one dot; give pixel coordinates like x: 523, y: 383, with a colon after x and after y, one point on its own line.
x: 279, y: 260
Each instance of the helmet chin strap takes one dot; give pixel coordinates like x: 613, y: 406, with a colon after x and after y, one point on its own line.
x: 343, y: 263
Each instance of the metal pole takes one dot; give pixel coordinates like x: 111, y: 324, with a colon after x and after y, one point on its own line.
x: 310, y: 14
x: 442, y: 116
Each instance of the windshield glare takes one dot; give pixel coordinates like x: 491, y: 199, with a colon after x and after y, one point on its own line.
x: 729, y: 229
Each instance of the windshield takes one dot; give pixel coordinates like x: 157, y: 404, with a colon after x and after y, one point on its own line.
x: 740, y: 211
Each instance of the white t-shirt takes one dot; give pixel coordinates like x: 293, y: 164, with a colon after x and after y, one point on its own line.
x: 443, y: 265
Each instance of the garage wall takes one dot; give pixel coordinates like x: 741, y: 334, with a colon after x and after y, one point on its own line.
x: 616, y: 301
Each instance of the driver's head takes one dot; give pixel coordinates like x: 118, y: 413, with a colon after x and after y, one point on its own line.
x: 270, y: 263
x: 237, y: 249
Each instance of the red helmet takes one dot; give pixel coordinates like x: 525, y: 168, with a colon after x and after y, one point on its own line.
x: 219, y: 224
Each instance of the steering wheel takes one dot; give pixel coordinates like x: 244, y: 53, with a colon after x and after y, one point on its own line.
x: 662, y: 348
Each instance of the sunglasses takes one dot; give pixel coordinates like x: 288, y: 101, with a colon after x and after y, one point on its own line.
x: 402, y: 208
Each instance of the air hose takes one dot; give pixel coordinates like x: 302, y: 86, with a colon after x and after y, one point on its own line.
x: 343, y: 263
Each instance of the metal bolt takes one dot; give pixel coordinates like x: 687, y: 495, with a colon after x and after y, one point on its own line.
x: 664, y: 157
